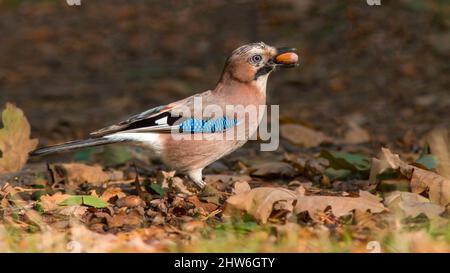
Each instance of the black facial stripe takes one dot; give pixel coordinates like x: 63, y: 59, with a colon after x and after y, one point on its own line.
x: 263, y: 71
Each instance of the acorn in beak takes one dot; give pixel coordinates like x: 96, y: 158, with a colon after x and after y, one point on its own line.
x: 286, y: 57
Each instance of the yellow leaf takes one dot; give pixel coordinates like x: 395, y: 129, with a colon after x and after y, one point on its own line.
x: 15, y: 142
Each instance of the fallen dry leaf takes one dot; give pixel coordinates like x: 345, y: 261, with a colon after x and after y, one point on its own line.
x: 356, y: 134
x: 163, y: 178
x: 112, y: 192
x: 50, y: 202
x: 15, y: 142
x: 75, y: 211
x: 412, y: 204
x: 194, y: 226
x: 438, y: 187
x: 132, y: 218
x: 366, y: 220
x: 78, y: 173
x: 388, y: 160
x: 206, y: 206
x: 89, y: 241
x: 259, y: 202
x: 178, y: 185
x: 340, y: 206
x: 241, y: 187
x: 439, y: 142
x: 304, y: 136
x: 130, y: 201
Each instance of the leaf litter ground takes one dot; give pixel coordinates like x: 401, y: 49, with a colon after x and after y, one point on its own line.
x: 326, y: 198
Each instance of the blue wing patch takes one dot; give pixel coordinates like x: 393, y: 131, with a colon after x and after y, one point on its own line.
x: 193, y: 125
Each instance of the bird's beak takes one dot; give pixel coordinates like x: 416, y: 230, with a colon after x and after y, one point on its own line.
x: 286, y: 57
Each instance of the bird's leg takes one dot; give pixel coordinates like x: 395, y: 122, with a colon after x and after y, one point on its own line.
x: 196, y: 177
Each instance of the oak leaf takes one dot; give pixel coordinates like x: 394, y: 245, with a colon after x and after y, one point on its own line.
x: 15, y: 142
x: 340, y: 206
x: 259, y: 202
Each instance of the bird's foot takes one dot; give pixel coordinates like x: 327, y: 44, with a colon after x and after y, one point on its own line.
x: 196, y: 177
x: 200, y: 184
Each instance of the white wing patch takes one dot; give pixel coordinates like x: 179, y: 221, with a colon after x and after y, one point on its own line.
x: 161, y: 121
x: 149, y: 140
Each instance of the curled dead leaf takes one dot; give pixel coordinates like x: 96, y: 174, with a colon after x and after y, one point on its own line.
x: 438, y: 187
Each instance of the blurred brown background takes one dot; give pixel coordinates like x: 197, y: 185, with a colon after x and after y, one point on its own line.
x: 75, y: 69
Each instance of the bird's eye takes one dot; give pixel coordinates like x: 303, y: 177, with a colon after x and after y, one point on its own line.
x: 255, y: 59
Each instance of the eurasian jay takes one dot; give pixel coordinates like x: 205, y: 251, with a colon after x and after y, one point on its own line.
x: 243, y: 82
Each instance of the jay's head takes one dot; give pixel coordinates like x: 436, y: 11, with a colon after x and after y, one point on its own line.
x: 250, y: 62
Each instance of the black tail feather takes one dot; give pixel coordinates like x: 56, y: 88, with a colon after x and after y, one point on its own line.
x: 72, y: 145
